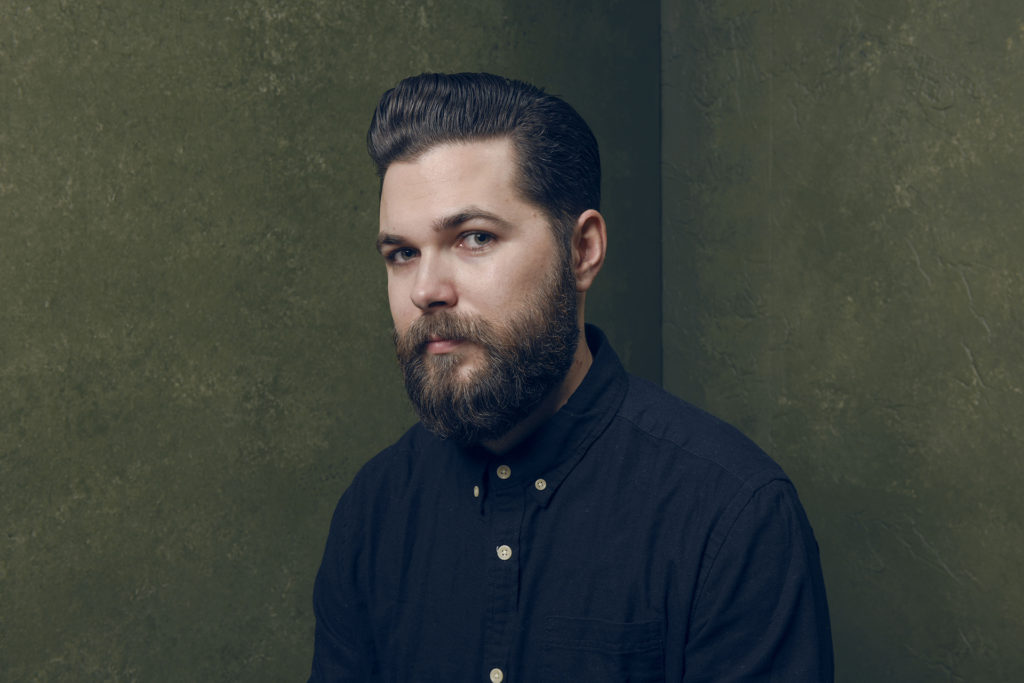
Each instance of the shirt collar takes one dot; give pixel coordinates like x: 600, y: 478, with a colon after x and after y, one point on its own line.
x: 543, y: 460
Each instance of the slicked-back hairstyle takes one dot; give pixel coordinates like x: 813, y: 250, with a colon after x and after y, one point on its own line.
x: 559, y: 164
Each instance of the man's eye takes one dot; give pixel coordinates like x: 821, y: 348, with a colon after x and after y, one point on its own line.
x: 401, y: 255
x: 477, y: 240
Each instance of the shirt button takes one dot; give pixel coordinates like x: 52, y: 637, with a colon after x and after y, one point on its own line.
x: 540, y: 484
x: 504, y: 472
x: 504, y: 552
x: 497, y: 676
x: 476, y: 491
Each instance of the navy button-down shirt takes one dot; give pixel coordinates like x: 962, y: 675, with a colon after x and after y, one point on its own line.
x: 632, y: 537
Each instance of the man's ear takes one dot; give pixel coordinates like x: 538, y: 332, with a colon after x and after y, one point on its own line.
x: 589, y: 244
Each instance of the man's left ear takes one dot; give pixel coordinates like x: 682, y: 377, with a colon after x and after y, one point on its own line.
x: 589, y: 243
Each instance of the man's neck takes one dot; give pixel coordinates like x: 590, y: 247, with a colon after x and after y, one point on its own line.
x: 559, y: 396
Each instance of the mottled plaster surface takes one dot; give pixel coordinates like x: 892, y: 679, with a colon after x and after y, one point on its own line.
x: 843, y: 246
x: 194, y: 342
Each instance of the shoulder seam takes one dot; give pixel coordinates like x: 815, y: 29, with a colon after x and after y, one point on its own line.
x: 746, y: 481
x: 750, y: 492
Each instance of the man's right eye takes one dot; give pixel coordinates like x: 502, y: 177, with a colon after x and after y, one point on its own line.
x: 400, y: 256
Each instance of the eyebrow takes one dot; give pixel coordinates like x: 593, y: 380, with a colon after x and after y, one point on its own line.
x: 449, y: 222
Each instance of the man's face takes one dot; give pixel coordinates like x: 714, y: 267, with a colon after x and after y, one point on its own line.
x: 482, y: 298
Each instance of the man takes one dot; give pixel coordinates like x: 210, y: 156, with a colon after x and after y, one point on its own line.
x: 550, y: 518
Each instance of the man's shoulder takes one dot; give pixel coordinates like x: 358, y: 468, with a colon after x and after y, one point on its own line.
x: 391, y: 472
x: 399, y: 459
x: 695, y: 437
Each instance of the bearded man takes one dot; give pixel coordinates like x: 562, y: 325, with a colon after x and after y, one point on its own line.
x: 551, y: 517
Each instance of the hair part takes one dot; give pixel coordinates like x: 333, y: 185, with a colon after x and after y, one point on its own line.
x: 556, y: 152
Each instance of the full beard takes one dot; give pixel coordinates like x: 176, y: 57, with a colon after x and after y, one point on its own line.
x: 524, y: 359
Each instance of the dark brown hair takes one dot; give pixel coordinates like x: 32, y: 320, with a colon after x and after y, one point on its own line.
x: 559, y: 164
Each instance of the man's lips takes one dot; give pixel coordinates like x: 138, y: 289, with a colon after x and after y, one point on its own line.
x: 437, y: 345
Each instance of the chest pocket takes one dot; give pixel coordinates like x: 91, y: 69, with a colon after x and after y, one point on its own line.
x: 599, y: 651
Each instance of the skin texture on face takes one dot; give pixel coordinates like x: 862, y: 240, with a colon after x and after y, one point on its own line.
x: 456, y: 235
x: 473, y: 269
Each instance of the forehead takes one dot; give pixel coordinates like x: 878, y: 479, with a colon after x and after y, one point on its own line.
x: 448, y: 177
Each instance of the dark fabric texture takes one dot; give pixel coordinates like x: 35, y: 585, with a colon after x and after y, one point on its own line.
x: 661, y: 545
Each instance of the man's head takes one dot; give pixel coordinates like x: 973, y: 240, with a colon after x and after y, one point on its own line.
x: 486, y: 284
x: 556, y: 154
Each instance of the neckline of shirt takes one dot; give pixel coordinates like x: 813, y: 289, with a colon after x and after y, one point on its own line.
x: 554, y: 449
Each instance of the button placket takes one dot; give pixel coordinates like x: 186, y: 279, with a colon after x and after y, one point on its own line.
x: 506, y: 518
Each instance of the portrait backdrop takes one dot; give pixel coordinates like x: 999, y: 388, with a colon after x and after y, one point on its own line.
x: 195, y: 344
x: 815, y: 232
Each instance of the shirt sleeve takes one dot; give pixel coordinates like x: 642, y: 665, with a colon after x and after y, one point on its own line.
x: 343, y: 645
x: 761, y: 614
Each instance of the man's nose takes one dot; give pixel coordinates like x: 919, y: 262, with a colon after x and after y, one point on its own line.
x: 434, y: 288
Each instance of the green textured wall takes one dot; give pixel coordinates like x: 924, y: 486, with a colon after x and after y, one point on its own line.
x: 194, y: 344
x: 843, y: 277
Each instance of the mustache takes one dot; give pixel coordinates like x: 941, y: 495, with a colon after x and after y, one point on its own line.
x: 442, y: 325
